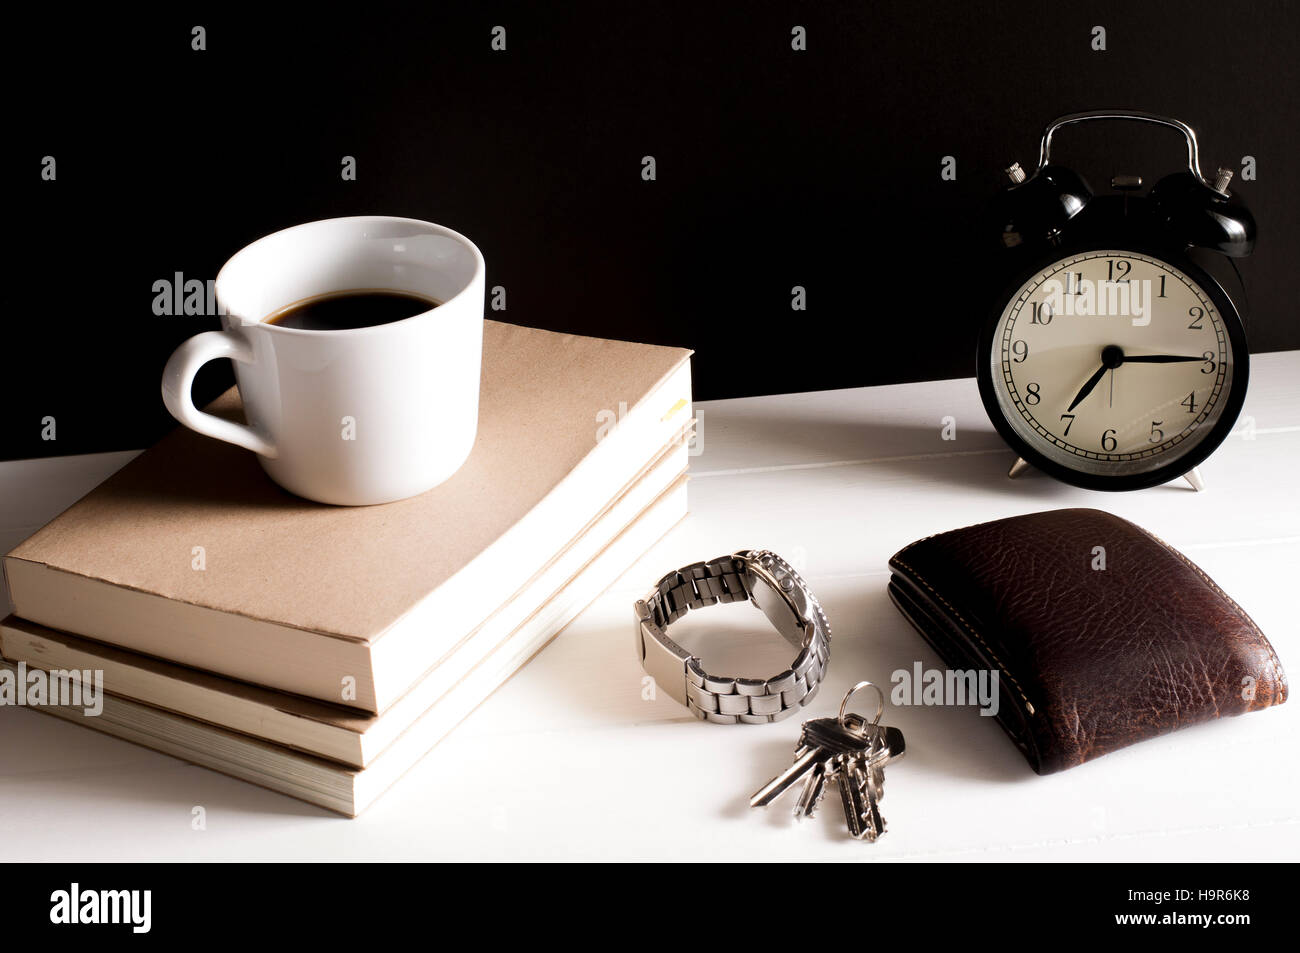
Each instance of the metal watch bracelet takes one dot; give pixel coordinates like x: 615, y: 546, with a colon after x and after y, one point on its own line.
x: 757, y: 576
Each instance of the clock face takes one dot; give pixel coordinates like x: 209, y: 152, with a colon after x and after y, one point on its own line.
x: 1114, y: 364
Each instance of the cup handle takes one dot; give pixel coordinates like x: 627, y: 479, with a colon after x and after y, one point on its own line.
x: 178, y: 379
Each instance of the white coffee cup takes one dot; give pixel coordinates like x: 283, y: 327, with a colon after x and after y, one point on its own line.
x: 357, y: 416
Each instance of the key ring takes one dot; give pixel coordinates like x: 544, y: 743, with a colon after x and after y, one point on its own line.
x: 880, y: 704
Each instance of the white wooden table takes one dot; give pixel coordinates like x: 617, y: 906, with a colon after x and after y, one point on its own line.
x: 568, y: 761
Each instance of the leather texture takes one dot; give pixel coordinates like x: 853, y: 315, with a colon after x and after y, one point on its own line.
x: 1089, y: 659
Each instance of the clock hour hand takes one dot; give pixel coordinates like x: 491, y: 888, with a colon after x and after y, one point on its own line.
x: 1088, y: 386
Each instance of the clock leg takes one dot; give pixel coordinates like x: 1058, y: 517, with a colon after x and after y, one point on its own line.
x: 1194, y: 479
x: 1017, y: 468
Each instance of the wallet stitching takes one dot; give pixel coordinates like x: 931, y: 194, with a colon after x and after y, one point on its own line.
x: 1027, y: 742
x: 1279, y: 687
x: 969, y: 628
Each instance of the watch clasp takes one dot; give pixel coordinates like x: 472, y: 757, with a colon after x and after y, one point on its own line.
x: 662, y: 658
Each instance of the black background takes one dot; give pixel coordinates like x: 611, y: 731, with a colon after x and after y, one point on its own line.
x: 775, y: 168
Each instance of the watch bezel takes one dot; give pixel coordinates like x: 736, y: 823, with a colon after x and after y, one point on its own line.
x: 760, y: 563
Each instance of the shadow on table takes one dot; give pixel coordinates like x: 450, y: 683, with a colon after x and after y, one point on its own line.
x: 873, y: 641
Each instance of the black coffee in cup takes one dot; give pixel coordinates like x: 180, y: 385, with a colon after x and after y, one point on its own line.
x: 348, y: 310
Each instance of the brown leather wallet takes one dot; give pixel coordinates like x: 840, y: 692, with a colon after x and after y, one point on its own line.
x: 1096, y: 648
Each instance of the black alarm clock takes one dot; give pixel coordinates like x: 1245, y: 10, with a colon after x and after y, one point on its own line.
x: 1110, y: 358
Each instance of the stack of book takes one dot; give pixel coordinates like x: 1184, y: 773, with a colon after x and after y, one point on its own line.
x: 321, y: 651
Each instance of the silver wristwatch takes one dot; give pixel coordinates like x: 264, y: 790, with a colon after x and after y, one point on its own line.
x: 758, y: 576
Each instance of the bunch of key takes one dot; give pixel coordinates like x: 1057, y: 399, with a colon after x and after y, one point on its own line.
x: 849, y: 752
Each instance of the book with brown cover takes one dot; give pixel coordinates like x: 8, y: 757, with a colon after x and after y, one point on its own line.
x: 339, y: 733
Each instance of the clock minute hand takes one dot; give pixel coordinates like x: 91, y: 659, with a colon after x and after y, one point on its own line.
x: 1159, y: 359
x: 1088, y: 386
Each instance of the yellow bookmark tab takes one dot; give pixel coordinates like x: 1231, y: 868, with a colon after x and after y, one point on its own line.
x: 674, y: 409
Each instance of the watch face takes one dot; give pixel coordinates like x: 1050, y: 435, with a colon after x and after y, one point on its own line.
x: 1115, y: 367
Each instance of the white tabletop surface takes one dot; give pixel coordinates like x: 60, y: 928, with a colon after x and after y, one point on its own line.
x: 568, y: 761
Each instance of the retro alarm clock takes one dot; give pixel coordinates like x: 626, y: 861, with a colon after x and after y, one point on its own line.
x: 1111, y: 359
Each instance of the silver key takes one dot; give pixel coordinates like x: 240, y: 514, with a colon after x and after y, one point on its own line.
x: 862, y: 779
x: 824, y: 743
x: 861, y: 808
x: 811, y: 795
x: 805, y: 761
x: 875, y: 823
x: 855, y: 807
x: 887, y: 737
